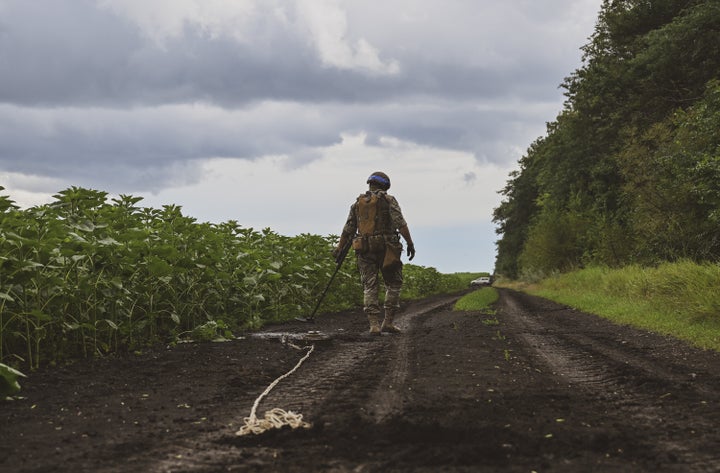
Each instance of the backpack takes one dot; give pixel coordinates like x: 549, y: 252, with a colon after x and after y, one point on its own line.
x: 373, y: 221
x: 373, y: 214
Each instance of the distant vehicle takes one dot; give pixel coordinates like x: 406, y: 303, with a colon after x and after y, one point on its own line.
x: 481, y: 281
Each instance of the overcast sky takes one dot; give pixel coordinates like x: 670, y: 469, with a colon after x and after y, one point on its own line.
x: 274, y: 112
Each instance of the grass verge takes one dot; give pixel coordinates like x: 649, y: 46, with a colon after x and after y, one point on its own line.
x: 678, y: 299
x: 480, y: 300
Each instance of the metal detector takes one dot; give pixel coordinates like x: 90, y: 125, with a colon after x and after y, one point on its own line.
x: 340, y: 258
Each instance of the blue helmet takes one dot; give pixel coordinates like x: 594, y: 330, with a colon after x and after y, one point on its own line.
x: 381, y: 179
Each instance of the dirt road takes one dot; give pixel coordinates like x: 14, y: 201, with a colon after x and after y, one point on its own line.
x: 535, y: 387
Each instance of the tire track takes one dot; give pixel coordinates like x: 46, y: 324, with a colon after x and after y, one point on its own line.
x: 334, y: 369
x: 639, y: 388
x: 327, y: 377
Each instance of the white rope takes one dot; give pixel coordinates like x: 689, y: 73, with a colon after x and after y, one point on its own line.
x: 274, y: 418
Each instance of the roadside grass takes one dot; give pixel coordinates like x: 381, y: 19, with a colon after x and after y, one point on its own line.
x: 480, y: 300
x: 680, y: 299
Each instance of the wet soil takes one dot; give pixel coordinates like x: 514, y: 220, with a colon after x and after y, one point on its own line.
x: 536, y: 386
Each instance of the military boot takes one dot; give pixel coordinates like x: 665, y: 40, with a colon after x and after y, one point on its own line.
x: 374, y: 323
x: 387, y: 325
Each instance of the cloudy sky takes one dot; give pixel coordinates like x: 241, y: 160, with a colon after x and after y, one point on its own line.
x: 274, y: 112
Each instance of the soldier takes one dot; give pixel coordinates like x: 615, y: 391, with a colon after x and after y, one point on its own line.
x: 374, y: 225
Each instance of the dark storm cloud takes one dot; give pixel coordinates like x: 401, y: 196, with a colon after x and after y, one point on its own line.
x: 86, y: 143
x: 87, y: 93
x: 121, y: 148
x: 72, y: 52
x: 60, y: 52
x: 459, y: 127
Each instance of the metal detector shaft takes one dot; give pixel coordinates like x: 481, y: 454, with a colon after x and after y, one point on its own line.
x: 340, y: 259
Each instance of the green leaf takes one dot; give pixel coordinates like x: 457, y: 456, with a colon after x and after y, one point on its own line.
x: 250, y: 280
x: 77, y: 237
x: 86, y: 226
x: 71, y: 326
x: 158, y: 267
x: 108, y: 242
x: 8, y: 380
x: 112, y: 324
x: 273, y: 276
x: 30, y: 265
x: 40, y: 315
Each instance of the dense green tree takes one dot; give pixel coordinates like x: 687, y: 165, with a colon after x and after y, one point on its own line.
x: 628, y: 170
x: 672, y: 173
x: 518, y: 207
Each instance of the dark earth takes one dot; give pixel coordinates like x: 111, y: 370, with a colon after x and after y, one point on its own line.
x: 535, y: 387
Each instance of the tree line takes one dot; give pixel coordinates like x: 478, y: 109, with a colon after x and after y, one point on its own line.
x: 628, y: 172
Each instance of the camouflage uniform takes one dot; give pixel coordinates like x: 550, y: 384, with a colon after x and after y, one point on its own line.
x: 370, y: 263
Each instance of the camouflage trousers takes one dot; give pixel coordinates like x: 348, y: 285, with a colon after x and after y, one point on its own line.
x: 370, y: 266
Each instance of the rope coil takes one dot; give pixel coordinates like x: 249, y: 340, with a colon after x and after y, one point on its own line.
x: 275, y: 418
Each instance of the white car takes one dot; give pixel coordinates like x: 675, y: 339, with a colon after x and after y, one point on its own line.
x: 481, y: 281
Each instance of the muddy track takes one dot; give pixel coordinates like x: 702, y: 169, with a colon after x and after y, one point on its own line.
x: 329, y: 377
x: 651, y: 383
x: 536, y: 386
x: 334, y: 369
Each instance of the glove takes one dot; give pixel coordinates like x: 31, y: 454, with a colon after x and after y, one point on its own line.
x: 337, y: 252
x: 411, y: 251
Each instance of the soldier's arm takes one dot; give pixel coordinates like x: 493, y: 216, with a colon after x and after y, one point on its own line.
x: 400, y: 223
x: 348, y: 231
x: 405, y: 232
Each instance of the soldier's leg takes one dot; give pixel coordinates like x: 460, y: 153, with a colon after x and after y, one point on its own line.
x: 393, y: 284
x: 371, y: 306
